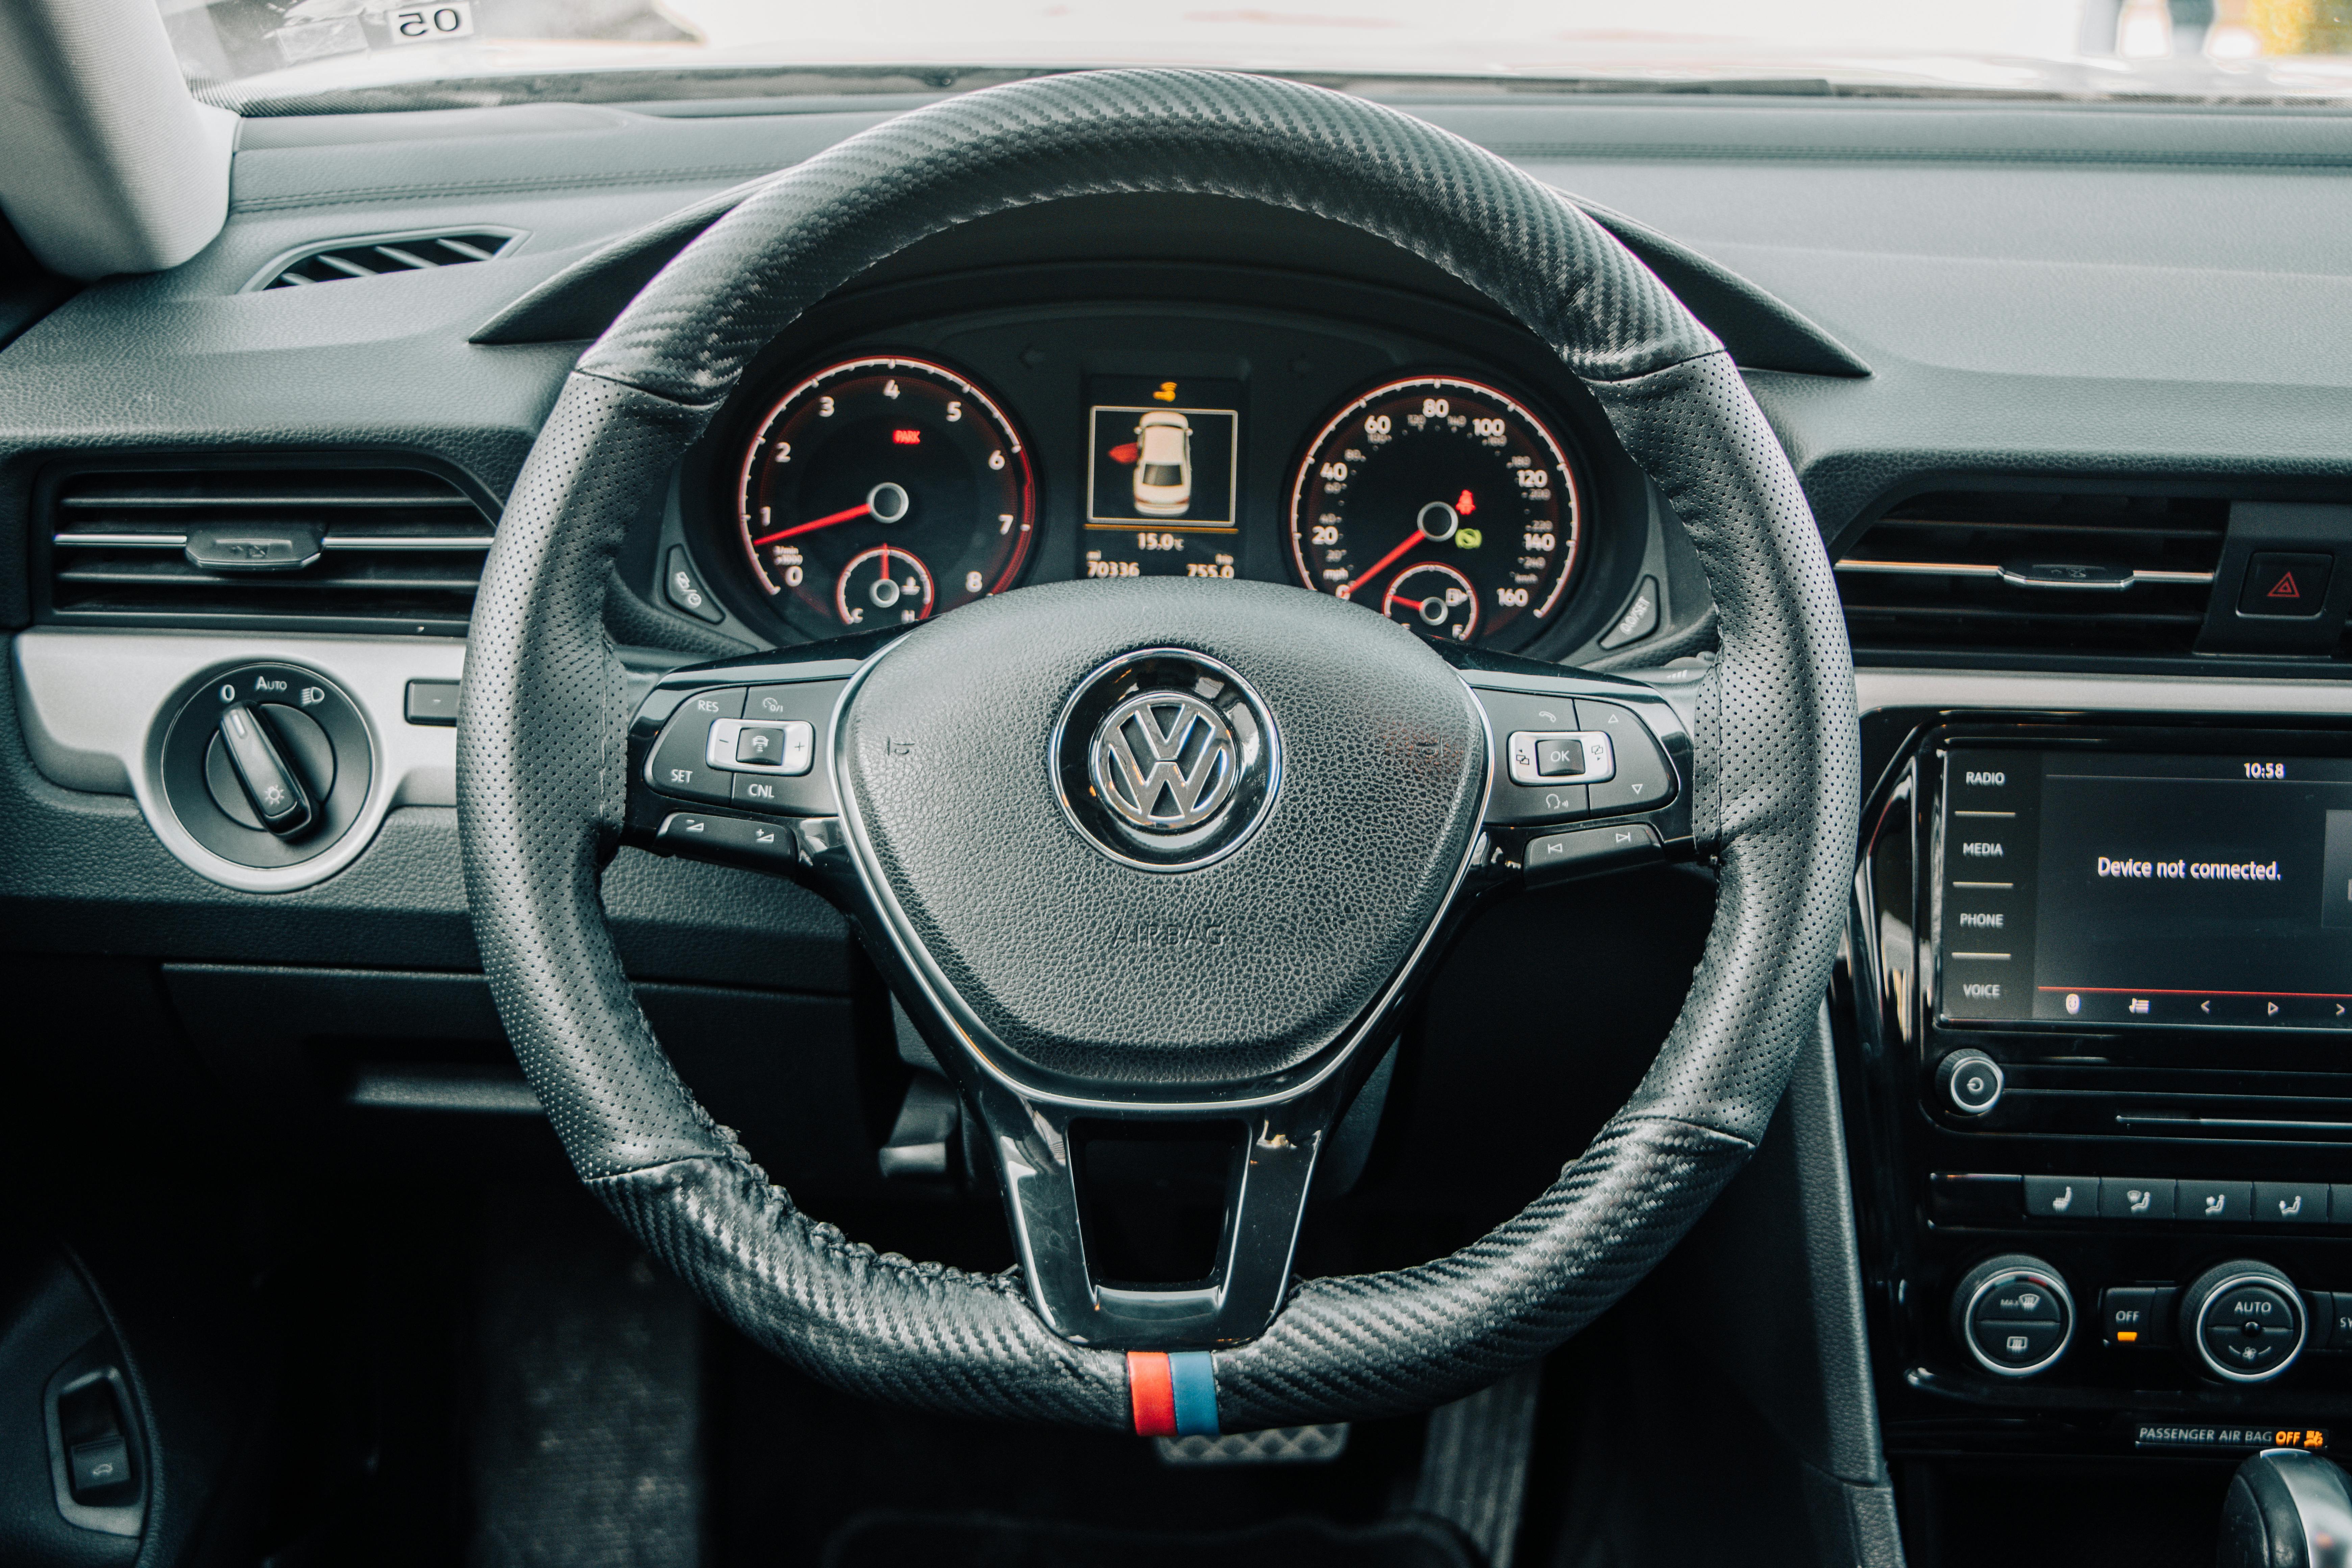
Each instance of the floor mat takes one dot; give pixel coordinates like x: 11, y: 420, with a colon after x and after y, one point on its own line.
x: 585, y: 1432
x: 886, y: 1539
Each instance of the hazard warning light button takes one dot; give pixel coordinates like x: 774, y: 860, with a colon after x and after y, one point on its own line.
x: 2280, y: 585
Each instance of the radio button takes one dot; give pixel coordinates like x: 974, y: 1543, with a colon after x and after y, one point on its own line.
x: 2231, y: 1203
x: 2126, y: 1197
x: 2061, y: 1197
x: 2290, y: 1203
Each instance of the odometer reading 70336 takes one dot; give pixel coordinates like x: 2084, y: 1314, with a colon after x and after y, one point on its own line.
x: 1443, y: 504
x: 880, y: 491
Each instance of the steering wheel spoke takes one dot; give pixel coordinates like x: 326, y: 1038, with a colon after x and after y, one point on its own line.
x: 1050, y: 1155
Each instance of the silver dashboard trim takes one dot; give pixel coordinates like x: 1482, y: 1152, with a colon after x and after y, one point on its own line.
x: 91, y: 702
x: 1876, y: 690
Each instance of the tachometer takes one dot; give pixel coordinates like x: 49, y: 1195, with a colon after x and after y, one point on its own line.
x: 1442, y: 503
x: 878, y: 491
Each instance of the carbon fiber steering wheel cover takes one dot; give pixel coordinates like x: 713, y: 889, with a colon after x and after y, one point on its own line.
x: 542, y: 731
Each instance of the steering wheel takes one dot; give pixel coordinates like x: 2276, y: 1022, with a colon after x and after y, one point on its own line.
x: 1106, y: 838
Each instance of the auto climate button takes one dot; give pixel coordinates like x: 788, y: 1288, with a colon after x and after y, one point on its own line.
x: 2242, y: 1322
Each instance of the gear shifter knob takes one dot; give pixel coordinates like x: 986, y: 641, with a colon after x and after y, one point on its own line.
x: 2287, y: 1509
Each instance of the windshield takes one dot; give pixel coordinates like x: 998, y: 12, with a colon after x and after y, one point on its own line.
x: 280, y: 55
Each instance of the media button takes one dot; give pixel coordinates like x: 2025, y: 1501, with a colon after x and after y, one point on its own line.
x: 2061, y: 1197
x: 2129, y: 1197
x: 2231, y: 1203
x: 2290, y: 1203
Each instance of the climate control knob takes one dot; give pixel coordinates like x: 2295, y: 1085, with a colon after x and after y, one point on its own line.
x: 2242, y: 1322
x: 2013, y: 1315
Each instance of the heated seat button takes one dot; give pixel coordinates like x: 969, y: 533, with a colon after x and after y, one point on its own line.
x: 2283, y: 585
x: 2124, y: 1197
x: 2290, y: 1203
x: 2061, y: 1197
x: 2229, y: 1203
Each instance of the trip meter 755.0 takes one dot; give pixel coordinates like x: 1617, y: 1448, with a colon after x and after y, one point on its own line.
x: 1442, y: 503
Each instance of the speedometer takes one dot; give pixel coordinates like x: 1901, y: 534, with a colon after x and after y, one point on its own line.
x: 1442, y: 503
x: 880, y: 492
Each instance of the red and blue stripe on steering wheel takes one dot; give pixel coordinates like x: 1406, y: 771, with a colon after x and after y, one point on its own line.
x: 1173, y: 1393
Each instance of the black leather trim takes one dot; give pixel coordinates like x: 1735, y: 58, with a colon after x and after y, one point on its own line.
x: 541, y: 739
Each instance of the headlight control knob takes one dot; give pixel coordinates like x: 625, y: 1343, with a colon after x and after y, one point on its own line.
x: 2013, y: 1315
x: 2242, y: 1322
x: 1971, y: 1081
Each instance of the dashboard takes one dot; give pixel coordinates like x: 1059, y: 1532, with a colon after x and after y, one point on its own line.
x: 2063, y: 448
x: 1169, y: 422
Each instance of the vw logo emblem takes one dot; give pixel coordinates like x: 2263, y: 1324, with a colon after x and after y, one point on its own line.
x: 1166, y: 759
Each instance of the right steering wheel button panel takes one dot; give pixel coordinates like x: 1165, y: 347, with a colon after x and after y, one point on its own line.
x: 1622, y: 768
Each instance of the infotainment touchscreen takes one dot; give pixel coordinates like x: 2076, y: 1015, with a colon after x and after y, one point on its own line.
x: 2192, y: 891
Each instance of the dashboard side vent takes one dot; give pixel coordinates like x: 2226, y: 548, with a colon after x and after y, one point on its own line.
x: 375, y: 548
x: 2016, y: 572
x: 373, y: 257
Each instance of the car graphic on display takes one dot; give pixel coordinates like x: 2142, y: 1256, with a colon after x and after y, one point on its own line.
x: 1163, y: 467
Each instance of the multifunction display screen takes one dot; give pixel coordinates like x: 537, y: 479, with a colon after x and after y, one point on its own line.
x: 2081, y: 887
x: 1163, y: 477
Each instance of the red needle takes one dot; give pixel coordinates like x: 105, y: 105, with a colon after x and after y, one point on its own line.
x: 860, y: 510
x: 1348, y: 589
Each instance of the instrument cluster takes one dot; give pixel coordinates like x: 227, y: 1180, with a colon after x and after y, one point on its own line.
x: 881, y: 486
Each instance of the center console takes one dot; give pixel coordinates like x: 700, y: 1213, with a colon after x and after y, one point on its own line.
x: 2101, y: 1067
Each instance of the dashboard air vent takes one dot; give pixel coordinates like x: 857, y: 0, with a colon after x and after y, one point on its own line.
x: 377, y: 548
x: 387, y: 253
x: 2017, y: 572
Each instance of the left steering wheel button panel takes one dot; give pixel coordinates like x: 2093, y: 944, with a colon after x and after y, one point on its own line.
x: 680, y: 764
